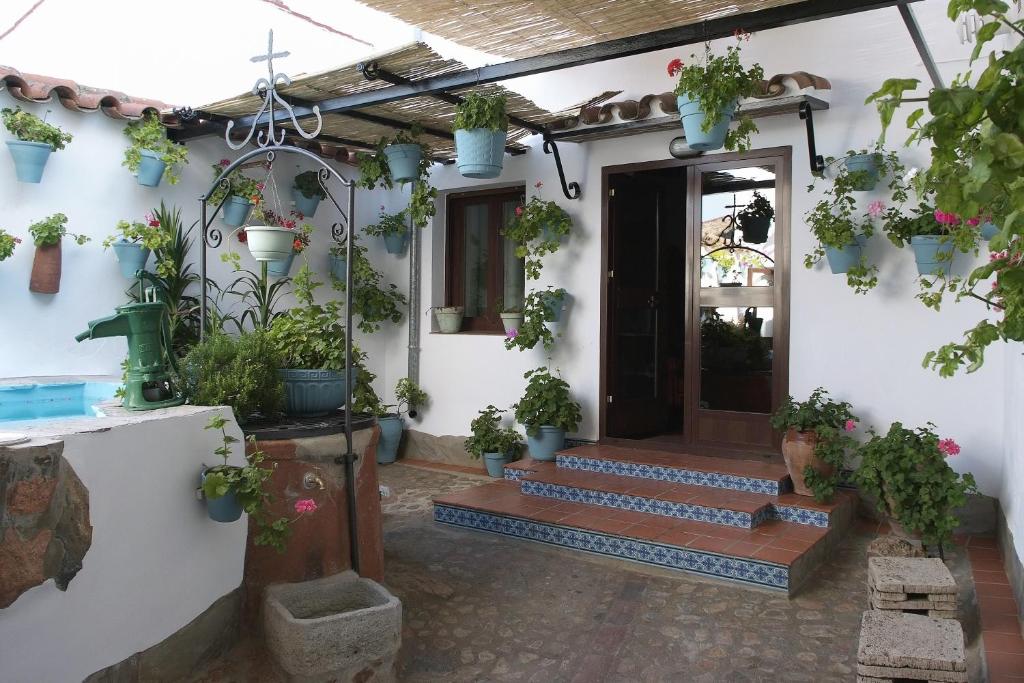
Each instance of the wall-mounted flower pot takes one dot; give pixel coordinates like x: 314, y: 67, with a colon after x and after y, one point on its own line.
x: 224, y: 509
x: 131, y: 257
x: 495, y: 464
x: 798, y: 452
x: 932, y: 255
x: 841, y: 259
x: 29, y: 159
x: 548, y: 235
x: 151, y: 168
x: 449, y: 318
x: 236, y: 211
x: 390, y: 438
x: 339, y: 266
x: 269, y: 242
x: 480, y: 152
x: 395, y: 242
x: 867, y: 163
x: 989, y: 230
x: 555, y: 303
x: 511, y: 321
x: 755, y: 230
x: 692, y: 118
x: 549, y: 440
x: 281, y: 267
x: 45, y: 277
x: 303, y: 204
x: 312, y: 393
x: 404, y: 161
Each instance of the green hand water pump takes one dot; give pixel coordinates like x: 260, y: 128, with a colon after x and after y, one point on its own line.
x: 148, y: 382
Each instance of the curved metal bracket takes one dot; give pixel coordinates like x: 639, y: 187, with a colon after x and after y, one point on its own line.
x: 817, y: 161
x: 571, y: 190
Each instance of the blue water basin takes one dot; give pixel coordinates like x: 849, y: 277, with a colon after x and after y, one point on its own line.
x: 48, y: 401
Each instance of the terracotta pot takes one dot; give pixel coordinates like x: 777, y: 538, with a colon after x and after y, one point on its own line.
x: 46, y: 270
x: 798, y: 452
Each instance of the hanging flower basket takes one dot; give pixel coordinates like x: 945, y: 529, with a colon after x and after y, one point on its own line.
x: 339, y: 266
x: 269, y: 243
x: 305, y: 205
x: 841, y: 259
x: 404, y: 161
x: 555, y: 303
x: 46, y: 267
x: 395, y: 242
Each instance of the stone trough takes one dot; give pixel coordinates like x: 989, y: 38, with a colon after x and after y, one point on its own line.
x: 339, y: 628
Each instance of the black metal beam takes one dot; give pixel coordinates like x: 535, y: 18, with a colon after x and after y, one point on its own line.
x: 721, y: 27
x: 922, y: 47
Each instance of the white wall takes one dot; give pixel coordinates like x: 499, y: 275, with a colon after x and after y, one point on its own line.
x: 1011, y: 493
x: 156, y: 560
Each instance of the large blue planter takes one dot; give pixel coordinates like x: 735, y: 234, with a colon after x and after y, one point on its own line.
x: 312, y: 393
x: 223, y: 509
x: 842, y: 259
x: 303, y: 204
x: 495, y: 464
x: 151, y: 168
x: 390, y: 438
x: 989, y: 230
x: 131, y: 257
x: 554, y: 303
x: 927, y: 252
x: 480, y: 152
x: 867, y: 163
x: 29, y: 159
x: 339, y: 266
x: 549, y: 440
x: 280, y: 267
x: 395, y: 242
x: 404, y: 161
x: 692, y: 118
x: 236, y: 211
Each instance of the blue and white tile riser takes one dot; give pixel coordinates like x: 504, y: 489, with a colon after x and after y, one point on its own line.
x: 514, y: 475
x: 788, y: 513
x: 747, y: 571
x: 665, y: 508
x: 679, y: 476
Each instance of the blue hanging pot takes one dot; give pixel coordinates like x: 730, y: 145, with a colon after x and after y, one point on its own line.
x: 151, y: 168
x: 395, y: 242
x: 236, y: 211
x: 29, y: 159
x: 867, y: 163
x: 841, y: 259
x: 932, y: 255
x: 303, y: 204
x: 548, y: 441
x: 404, y: 161
x: 131, y: 257
x: 692, y: 118
x: 280, y: 267
x: 554, y: 302
x: 988, y: 230
x: 480, y: 152
x: 339, y: 266
x: 224, y: 509
x: 390, y: 438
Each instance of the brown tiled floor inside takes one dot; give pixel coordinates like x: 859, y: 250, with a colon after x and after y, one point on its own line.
x: 1000, y: 627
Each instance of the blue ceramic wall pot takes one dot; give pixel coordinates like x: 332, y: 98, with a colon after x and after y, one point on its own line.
x: 312, y: 393
x: 236, y: 211
x: 395, y: 242
x: 480, y: 152
x: 548, y: 441
x: 151, y: 168
x: 280, y: 267
x: 988, y: 230
x: 390, y: 438
x: 842, y: 259
x: 867, y: 163
x: 932, y: 255
x: 223, y: 509
x: 131, y: 257
x: 692, y: 118
x: 404, y: 161
x: 303, y: 204
x: 495, y: 464
x: 339, y: 266
x: 555, y: 303
x: 29, y: 159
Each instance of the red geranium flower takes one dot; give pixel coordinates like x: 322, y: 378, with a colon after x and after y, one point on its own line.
x: 519, y: 211
x: 242, y: 236
x: 675, y: 66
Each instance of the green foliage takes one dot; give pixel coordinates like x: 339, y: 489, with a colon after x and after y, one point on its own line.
x: 152, y: 235
x: 311, y: 335
x: 28, y: 127
x: 533, y: 330
x: 7, y: 244
x: 975, y: 135
x: 757, y: 207
x: 235, y: 185
x: 421, y: 203
x: 547, y: 402
x: 387, y: 224
x: 830, y: 421
x: 374, y: 170
x: 149, y: 134
x: 372, y: 301
x: 409, y: 394
x: 51, y: 230
x: 908, y: 476
x: 260, y: 297
x: 718, y: 83
x: 489, y: 437
x: 481, y: 111
x: 308, y: 183
x: 240, y: 372
x: 537, y: 230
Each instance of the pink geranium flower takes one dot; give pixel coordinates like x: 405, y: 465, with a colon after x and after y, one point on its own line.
x: 946, y: 218
x: 305, y: 505
x: 948, y: 447
x: 850, y: 425
x: 876, y: 208
x: 512, y: 333
x: 225, y: 162
x: 519, y: 211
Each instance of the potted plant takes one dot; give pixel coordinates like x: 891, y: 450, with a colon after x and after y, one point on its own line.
x: 392, y: 228
x: 36, y: 140
x: 449, y: 318
x: 930, y: 233
x: 150, y: 155
x: 338, y: 259
x: 537, y: 228
x: 299, y: 235
x: 708, y: 93
x: 755, y: 219
x: 511, y: 317
x: 133, y: 243
x: 242, y: 193
x: 496, y: 445
x: 405, y: 155
x: 548, y: 412
x: 554, y: 300
x: 481, y: 126
x: 271, y: 237
x: 47, y: 235
x: 408, y: 397
x: 539, y: 311
x: 7, y: 244
x: 906, y: 472
x: 307, y: 193
x: 373, y: 300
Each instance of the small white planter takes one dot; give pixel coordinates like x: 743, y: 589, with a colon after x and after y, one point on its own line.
x: 269, y: 243
x: 449, y: 318
x: 512, y: 321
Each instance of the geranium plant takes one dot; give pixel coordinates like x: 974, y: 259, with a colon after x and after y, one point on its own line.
x: 481, y: 111
x: 372, y: 300
x: 235, y: 185
x: 310, y: 335
x: 308, y: 183
x: 7, y: 244
x: 149, y: 134
x: 149, y: 234
x: 409, y: 397
x: 488, y: 436
x: 534, y: 328
x: 906, y: 472
x: 28, y: 127
x: 374, y: 170
x: 758, y: 207
x: 51, y: 230
x: 387, y: 224
x: 537, y: 229
x: 547, y: 401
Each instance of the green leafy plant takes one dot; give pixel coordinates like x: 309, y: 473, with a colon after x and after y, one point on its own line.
x: 7, y: 244
x: 408, y: 396
x: 240, y: 372
x: 149, y: 134
x: 976, y: 141
x: 488, y: 436
x: 260, y: 297
x: 372, y: 301
x: 547, y: 401
x: 717, y: 83
x: 151, y: 235
x: 907, y: 473
x: 311, y: 335
x: 28, y: 127
x: 51, y: 230
x: 757, y: 207
x: 387, y: 224
x: 534, y: 330
x: 421, y: 203
x: 308, y: 183
x: 374, y: 171
x: 831, y: 421
x: 481, y: 111
x: 537, y: 230
x: 235, y: 185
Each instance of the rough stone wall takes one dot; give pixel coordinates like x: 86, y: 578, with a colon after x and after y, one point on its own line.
x: 45, y: 530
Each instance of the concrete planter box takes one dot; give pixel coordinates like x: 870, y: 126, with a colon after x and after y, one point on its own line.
x: 339, y: 628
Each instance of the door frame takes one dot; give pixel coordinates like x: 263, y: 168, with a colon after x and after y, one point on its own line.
x: 780, y: 368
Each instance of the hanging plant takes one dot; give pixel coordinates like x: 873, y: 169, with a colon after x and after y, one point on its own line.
x: 7, y: 244
x: 538, y: 313
x: 308, y: 183
x: 242, y: 192
x: 372, y: 301
x: 52, y: 229
x: 36, y: 140
x: 481, y: 128
x: 755, y: 219
x: 151, y: 155
x: 47, y: 235
x: 392, y: 228
x: 537, y: 230
x: 133, y: 243
x: 375, y: 170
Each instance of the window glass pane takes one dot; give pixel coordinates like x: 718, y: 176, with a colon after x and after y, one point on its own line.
x: 476, y: 259
x: 736, y: 358
x: 514, y: 288
x: 738, y: 227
